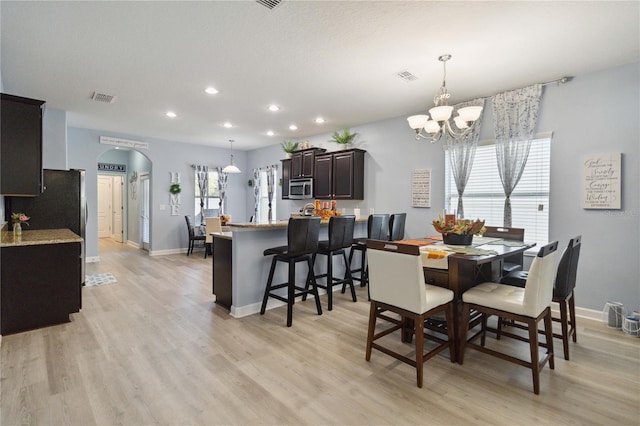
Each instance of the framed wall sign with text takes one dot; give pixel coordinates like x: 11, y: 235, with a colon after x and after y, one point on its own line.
x: 421, y: 188
x: 602, y: 181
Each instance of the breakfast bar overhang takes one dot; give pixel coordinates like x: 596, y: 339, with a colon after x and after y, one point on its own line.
x: 242, y: 275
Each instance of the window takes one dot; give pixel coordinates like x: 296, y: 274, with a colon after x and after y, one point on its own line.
x: 483, y: 196
x: 211, y: 201
x: 263, y: 206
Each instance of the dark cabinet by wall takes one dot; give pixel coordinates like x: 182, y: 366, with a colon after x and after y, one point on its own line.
x: 340, y: 175
x: 21, y: 146
x: 302, y: 162
x: 286, y: 176
x: 34, y: 297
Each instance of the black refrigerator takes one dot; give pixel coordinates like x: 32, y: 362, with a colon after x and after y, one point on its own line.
x: 62, y: 204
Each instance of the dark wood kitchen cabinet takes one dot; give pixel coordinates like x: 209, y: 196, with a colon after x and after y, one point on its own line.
x: 34, y: 297
x: 286, y: 176
x: 21, y: 146
x: 302, y: 162
x: 340, y: 175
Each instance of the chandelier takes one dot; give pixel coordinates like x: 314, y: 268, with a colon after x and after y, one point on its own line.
x: 231, y: 168
x: 433, y: 128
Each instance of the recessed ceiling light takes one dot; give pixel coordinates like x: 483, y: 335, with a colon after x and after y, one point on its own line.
x: 274, y: 107
x: 228, y: 125
x: 270, y: 133
x: 293, y: 127
x: 170, y: 114
x: 319, y: 120
x: 211, y: 90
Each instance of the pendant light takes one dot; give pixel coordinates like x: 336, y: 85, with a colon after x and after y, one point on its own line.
x: 435, y: 127
x: 231, y: 168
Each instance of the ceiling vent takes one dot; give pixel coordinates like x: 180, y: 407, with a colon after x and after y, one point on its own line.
x: 269, y: 4
x: 406, y: 76
x: 101, y: 97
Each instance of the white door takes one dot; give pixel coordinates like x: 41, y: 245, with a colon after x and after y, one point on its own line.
x: 105, y: 195
x: 144, y: 212
x: 118, y: 208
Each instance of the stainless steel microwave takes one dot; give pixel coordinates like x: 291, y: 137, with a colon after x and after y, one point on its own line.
x: 301, y: 189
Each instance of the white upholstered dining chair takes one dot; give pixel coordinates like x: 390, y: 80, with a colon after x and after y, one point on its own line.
x: 213, y: 224
x: 396, y: 284
x: 528, y: 305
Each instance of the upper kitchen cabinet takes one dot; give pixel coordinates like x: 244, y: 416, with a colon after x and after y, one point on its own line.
x: 302, y: 162
x: 340, y: 175
x: 286, y: 176
x: 21, y: 146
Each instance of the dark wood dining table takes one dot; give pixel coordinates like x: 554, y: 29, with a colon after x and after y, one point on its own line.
x: 467, y: 270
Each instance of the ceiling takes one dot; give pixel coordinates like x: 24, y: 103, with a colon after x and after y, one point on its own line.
x: 333, y: 59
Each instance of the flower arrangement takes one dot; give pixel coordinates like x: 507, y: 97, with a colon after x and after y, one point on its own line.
x: 459, y: 226
x: 20, y: 218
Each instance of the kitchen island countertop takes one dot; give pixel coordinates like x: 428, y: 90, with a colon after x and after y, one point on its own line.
x: 38, y: 237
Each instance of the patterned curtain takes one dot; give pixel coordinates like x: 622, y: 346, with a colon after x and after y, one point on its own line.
x: 515, y: 114
x: 271, y: 177
x: 462, y: 151
x: 202, y: 174
x: 256, y: 194
x: 222, y: 189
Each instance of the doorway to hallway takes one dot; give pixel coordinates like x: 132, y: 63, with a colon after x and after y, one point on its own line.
x: 111, y: 207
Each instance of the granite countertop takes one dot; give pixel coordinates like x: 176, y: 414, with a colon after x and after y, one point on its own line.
x: 273, y: 225
x: 43, y: 236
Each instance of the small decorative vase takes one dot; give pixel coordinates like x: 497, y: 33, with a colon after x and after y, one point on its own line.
x: 17, y: 230
x: 457, y: 239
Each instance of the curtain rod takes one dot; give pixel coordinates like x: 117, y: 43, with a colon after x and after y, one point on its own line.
x: 558, y: 81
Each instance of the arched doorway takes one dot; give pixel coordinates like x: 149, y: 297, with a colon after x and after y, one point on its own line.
x: 124, y: 188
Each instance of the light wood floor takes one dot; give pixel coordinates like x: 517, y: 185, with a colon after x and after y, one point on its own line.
x: 154, y: 349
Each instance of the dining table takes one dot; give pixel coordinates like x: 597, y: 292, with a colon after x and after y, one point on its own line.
x: 460, y: 268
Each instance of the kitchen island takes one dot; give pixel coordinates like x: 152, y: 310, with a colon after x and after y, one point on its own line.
x: 243, y: 272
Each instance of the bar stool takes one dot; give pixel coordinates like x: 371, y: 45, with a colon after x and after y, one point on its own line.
x: 340, y: 237
x: 377, y: 229
x: 396, y: 226
x: 302, y: 241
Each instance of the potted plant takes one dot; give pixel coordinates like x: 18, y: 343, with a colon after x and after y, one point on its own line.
x: 289, y: 146
x: 344, y: 138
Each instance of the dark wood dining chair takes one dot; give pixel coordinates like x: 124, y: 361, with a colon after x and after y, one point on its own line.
x: 512, y: 263
x: 396, y: 226
x: 528, y: 305
x: 396, y: 283
x: 340, y: 238
x: 302, y: 242
x: 194, y: 234
x: 563, y: 292
x: 377, y: 229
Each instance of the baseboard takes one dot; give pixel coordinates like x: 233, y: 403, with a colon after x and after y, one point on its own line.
x: 133, y: 244
x: 92, y: 259
x: 254, y: 308
x: 166, y: 252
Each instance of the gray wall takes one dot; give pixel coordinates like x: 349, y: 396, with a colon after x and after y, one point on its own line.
x: 54, y: 139
x: 140, y: 164
x: 168, y: 233
x: 592, y: 114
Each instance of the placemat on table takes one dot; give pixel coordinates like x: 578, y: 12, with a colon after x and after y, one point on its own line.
x: 507, y: 243
x: 415, y: 242
x: 474, y: 251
